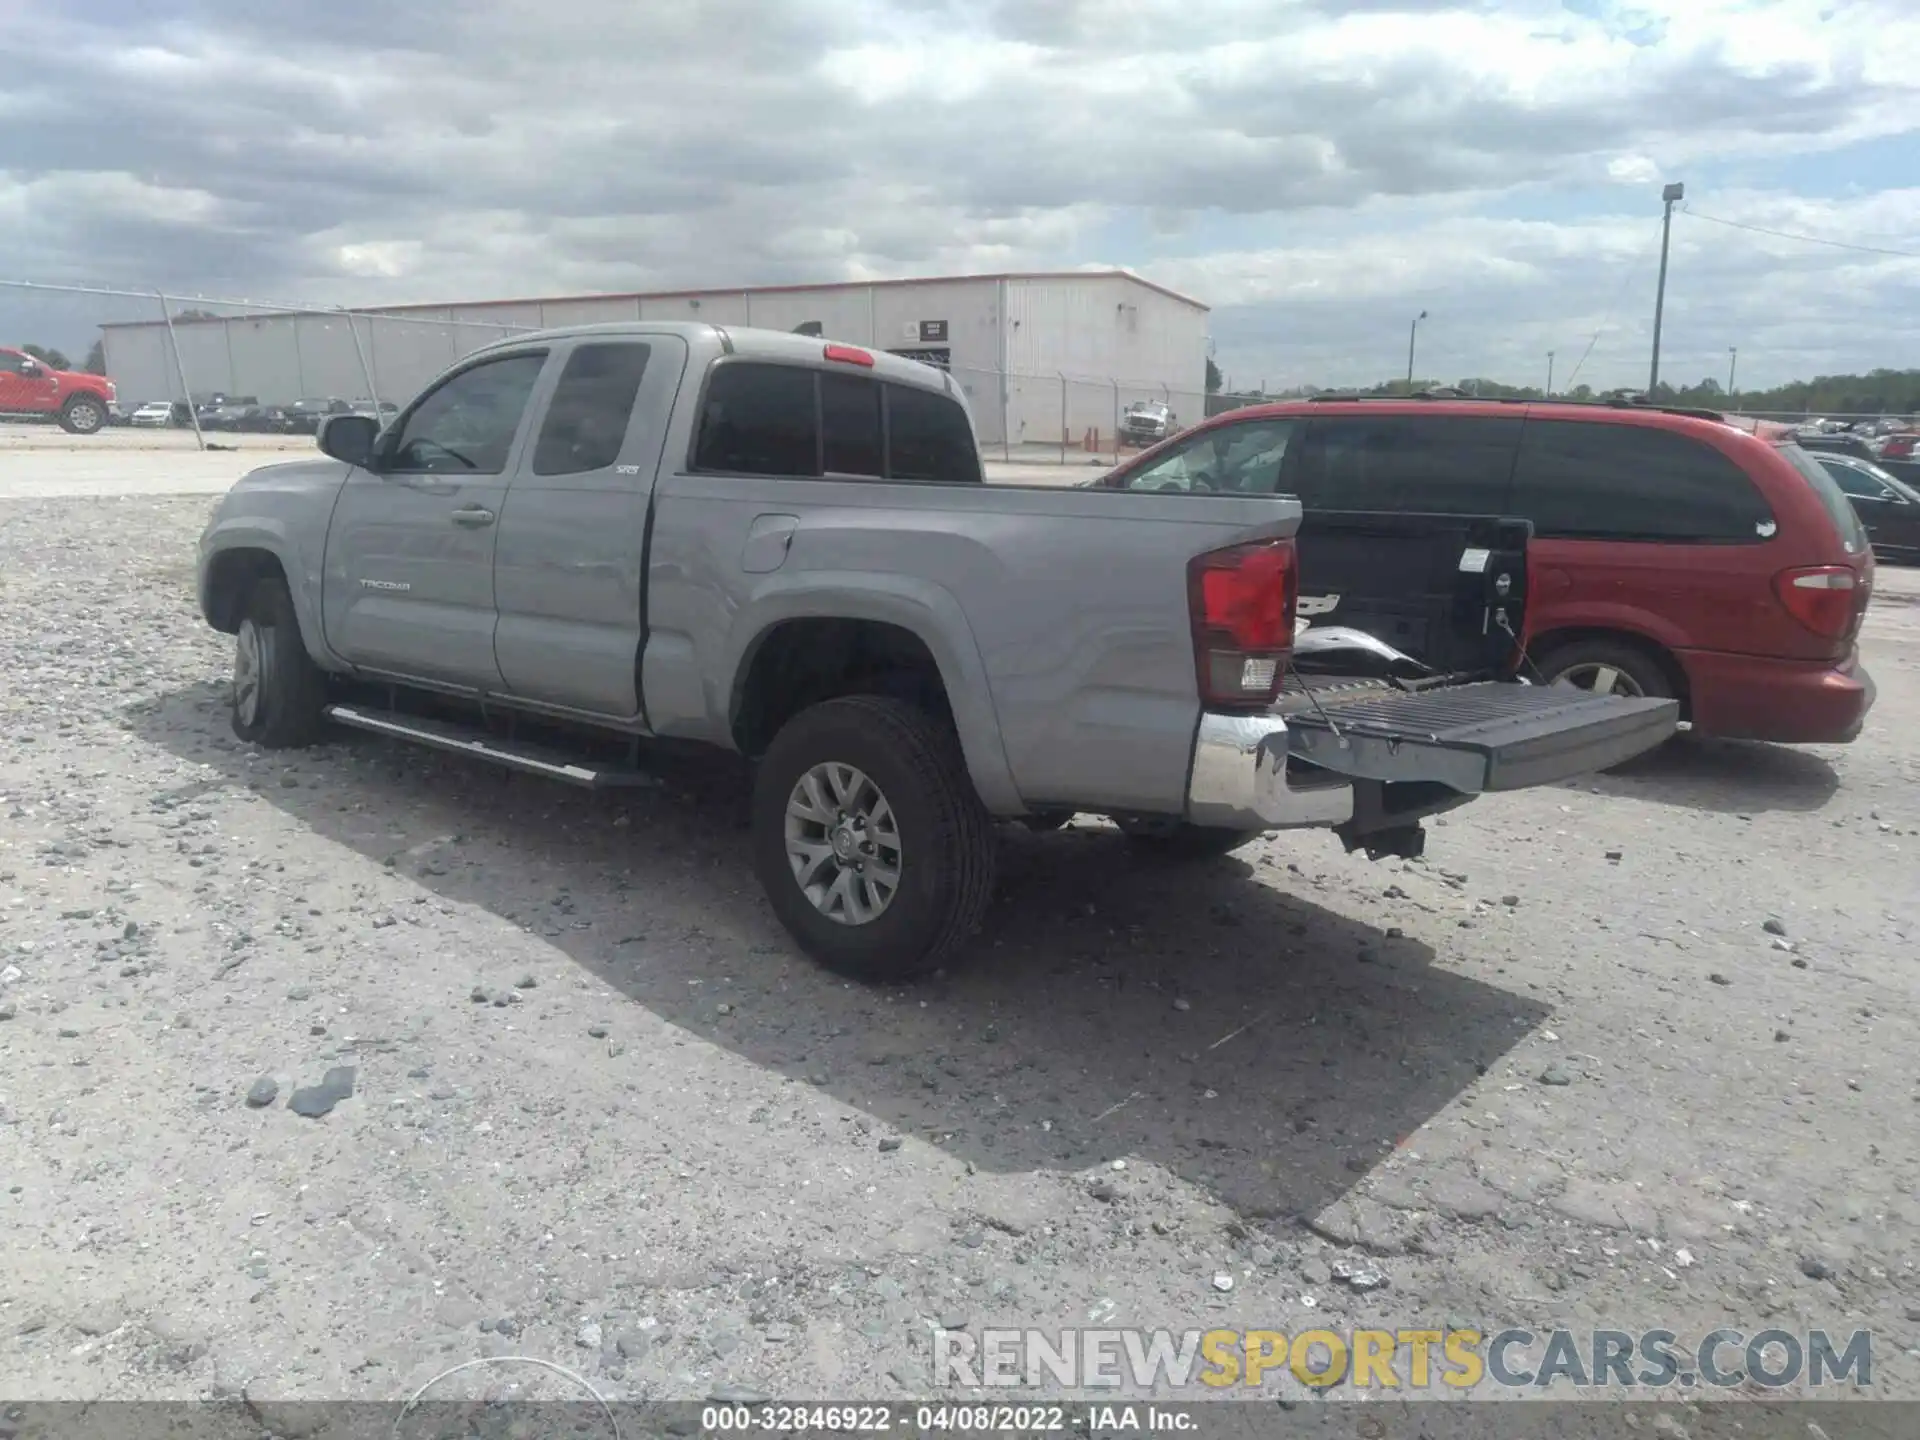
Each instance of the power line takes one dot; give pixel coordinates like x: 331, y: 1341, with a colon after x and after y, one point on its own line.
x: 1808, y: 239
x: 1632, y: 269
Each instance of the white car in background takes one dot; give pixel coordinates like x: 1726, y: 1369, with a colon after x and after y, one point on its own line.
x: 154, y: 413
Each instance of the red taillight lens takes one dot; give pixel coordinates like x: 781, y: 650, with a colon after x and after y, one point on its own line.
x: 849, y: 355
x: 1824, y: 598
x: 1242, y: 600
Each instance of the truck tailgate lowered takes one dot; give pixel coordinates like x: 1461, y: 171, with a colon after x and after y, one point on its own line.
x: 1475, y: 738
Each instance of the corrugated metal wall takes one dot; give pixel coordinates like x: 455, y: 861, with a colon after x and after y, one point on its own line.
x: 1093, y: 330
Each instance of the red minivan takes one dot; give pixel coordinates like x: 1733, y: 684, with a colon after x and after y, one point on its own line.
x: 1674, y: 553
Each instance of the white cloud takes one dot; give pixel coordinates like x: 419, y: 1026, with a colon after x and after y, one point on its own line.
x: 354, y: 150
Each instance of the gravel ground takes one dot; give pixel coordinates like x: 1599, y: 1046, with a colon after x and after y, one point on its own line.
x: 1558, y: 1073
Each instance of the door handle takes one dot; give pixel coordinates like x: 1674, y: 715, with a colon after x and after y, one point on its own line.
x: 473, y: 516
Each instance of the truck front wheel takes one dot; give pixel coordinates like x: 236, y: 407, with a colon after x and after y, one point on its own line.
x: 279, y: 694
x: 83, y: 415
x: 873, y: 849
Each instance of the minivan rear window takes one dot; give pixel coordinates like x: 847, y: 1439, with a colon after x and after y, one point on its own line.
x: 1832, y: 498
x: 1594, y: 480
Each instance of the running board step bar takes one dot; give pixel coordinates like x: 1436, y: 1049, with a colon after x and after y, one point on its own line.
x: 1475, y: 738
x: 458, y: 740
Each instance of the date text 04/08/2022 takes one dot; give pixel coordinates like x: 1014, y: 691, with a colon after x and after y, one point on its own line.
x: 982, y: 1418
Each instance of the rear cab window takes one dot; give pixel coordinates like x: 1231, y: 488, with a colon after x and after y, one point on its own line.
x: 795, y: 421
x: 1595, y: 480
x: 1833, y: 499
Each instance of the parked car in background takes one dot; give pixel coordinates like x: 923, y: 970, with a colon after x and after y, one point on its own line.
x: 152, y: 415
x: 32, y: 389
x: 303, y: 417
x: 1889, y: 507
x: 1899, y: 445
x: 1147, y: 422
x: 231, y: 412
x: 1675, y: 553
x: 1839, y: 442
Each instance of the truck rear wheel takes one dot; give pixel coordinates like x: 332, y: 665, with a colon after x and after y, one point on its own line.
x: 1176, y: 840
x: 868, y: 838
x: 278, y: 692
x: 83, y: 415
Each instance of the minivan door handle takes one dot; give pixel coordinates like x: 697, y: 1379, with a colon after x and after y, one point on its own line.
x: 473, y: 516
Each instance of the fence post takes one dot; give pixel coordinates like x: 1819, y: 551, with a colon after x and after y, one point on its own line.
x: 1116, y: 420
x: 1063, y: 417
x: 373, y: 388
x: 180, y: 368
x: 1006, y: 430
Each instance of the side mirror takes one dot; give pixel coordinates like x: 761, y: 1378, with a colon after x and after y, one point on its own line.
x: 349, y: 438
x: 29, y: 366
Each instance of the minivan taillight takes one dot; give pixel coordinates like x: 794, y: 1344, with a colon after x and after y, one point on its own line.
x: 1822, y: 598
x: 1242, y: 601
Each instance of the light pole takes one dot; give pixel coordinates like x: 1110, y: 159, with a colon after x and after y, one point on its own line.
x: 1669, y: 196
x: 1549, y: 374
x: 1733, y: 361
x: 1412, y: 331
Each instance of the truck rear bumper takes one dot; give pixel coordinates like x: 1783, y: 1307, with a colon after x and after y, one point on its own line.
x: 1429, y: 750
x: 1240, y: 779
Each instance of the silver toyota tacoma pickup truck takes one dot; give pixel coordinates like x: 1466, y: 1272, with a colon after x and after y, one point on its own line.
x: 577, y: 545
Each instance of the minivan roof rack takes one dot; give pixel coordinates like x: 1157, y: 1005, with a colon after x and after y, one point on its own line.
x: 1608, y: 402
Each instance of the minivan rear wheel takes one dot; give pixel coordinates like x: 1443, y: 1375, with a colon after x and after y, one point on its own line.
x: 1607, y: 667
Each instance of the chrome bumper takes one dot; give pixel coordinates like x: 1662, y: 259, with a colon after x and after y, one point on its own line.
x: 1239, y: 779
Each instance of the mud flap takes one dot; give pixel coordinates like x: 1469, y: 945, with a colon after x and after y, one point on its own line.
x: 1471, y: 739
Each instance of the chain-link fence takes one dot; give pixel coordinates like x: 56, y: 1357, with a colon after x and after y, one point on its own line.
x: 208, y: 372
x: 1073, y: 419
x: 224, y: 371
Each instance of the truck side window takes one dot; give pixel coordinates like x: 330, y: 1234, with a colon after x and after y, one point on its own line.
x: 928, y: 438
x: 850, y: 425
x: 1593, y: 480
x: 1242, y: 459
x: 587, y: 419
x: 1409, y: 464
x: 467, y: 425
x: 759, y: 420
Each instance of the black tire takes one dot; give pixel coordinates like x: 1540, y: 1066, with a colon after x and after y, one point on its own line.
x: 946, y: 844
x: 289, y: 693
x: 1634, y: 670
x: 83, y: 415
x: 1180, y: 842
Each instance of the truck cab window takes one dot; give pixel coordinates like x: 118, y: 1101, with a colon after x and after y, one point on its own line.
x: 928, y: 438
x: 587, y: 420
x: 850, y: 425
x: 467, y: 425
x: 759, y: 420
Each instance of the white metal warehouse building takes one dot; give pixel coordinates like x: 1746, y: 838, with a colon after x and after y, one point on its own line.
x: 1044, y: 358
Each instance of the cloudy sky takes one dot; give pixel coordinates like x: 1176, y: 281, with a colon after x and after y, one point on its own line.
x: 1317, y: 170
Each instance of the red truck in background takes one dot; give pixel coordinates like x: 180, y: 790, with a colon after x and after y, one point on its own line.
x: 81, y: 403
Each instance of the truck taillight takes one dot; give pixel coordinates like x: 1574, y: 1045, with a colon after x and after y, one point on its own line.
x: 1824, y: 598
x: 1242, y: 601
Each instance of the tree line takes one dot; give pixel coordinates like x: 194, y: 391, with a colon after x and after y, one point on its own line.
x: 1878, y: 392
x: 54, y: 358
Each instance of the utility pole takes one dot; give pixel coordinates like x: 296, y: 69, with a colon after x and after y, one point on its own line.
x: 1549, y: 374
x: 1733, y: 360
x: 1670, y: 196
x: 1413, y: 330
